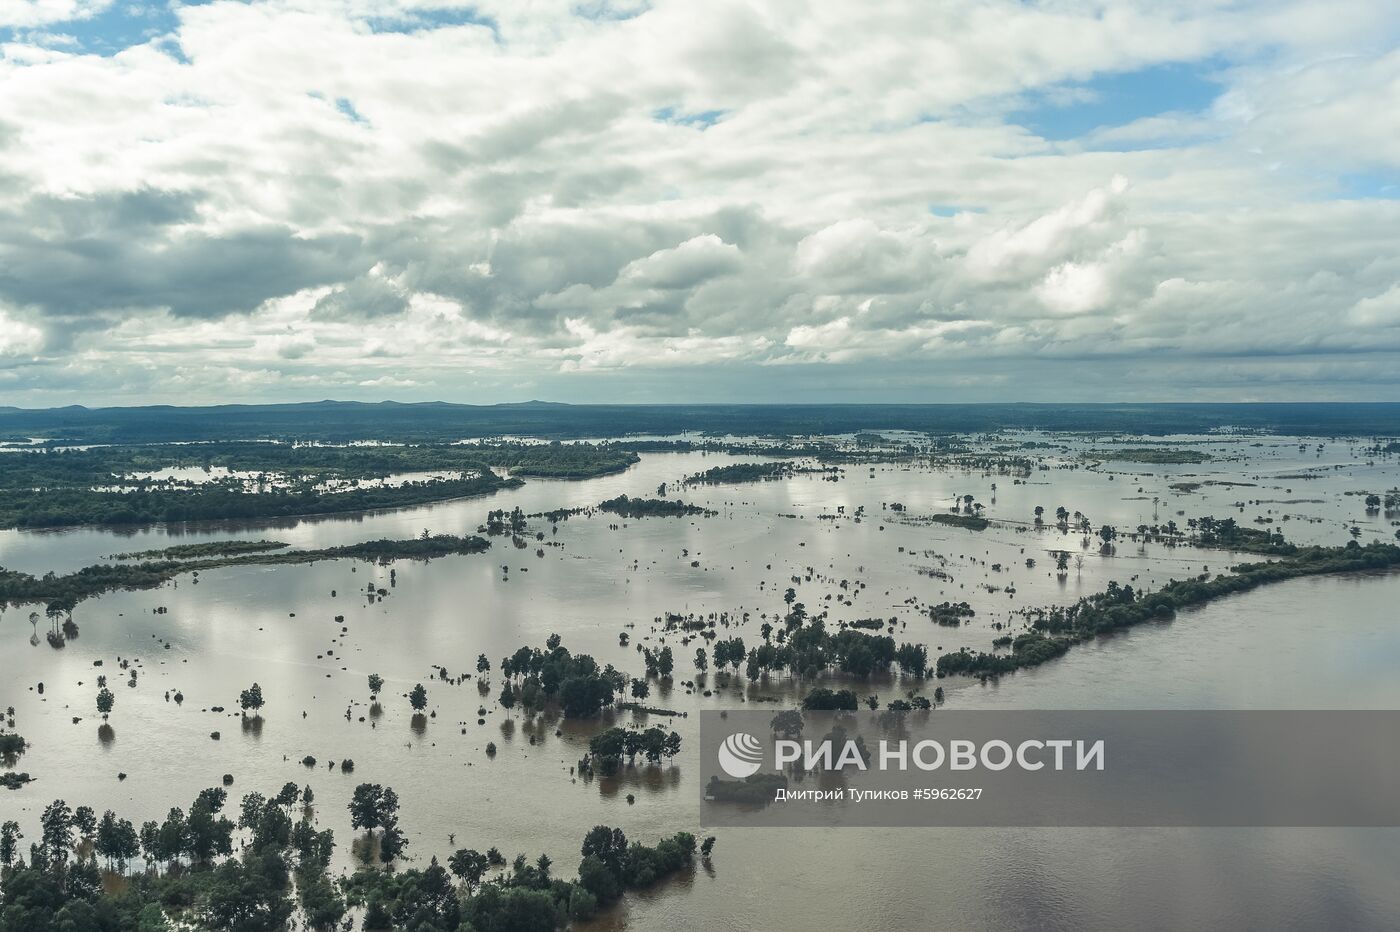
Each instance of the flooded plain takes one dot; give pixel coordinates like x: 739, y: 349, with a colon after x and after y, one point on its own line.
x: 1322, y: 642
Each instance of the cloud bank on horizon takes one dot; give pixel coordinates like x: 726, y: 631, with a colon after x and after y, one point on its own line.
x: 621, y: 200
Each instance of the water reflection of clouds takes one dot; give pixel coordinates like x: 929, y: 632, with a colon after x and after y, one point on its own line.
x: 1266, y: 648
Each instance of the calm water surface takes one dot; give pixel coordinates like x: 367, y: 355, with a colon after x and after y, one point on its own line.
x: 1313, y: 643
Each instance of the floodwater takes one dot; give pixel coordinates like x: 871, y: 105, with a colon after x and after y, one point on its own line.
x: 1309, y: 643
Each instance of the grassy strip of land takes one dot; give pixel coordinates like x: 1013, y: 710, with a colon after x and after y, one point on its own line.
x: 967, y: 522
x: 128, y: 485
x: 750, y: 472
x: 216, y: 548
x: 622, y: 506
x: 951, y: 614
x: 1225, y: 534
x: 1157, y: 455
x: 63, y: 592
x: 97, y: 466
x: 1216, y: 533
x: 1057, y: 628
x: 648, y: 709
x: 66, y: 507
x: 757, y: 790
x: 651, y: 508
x: 561, y: 460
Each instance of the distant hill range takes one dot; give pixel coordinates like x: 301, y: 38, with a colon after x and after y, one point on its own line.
x: 388, y: 420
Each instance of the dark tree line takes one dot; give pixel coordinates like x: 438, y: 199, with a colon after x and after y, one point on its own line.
x: 193, y: 877
x: 575, y: 682
x: 65, y: 507
x: 62, y: 593
x: 191, y: 874
x: 1055, y: 629
x: 607, y: 749
x: 804, y: 647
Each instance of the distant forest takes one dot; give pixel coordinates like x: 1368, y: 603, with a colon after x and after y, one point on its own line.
x: 120, y: 484
x: 433, y: 421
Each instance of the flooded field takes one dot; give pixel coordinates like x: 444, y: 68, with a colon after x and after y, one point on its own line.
x: 861, y: 543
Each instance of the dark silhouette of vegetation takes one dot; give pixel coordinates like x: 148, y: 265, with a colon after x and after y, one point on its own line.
x: 251, y: 699
x: 1056, y: 629
x: 535, y: 678
x: 217, y: 548
x: 499, y: 521
x: 804, y: 647
x: 750, y: 472
x: 340, y: 421
x: 51, y: 467
x: 823, y: 699
x: 31, y: 508
x: 757, y: 790
x: 1226, y: 534
x: 527, y: 897
x: 560, y: 461
x: 11, y: 747
x: 71, y: 588
x: 1154, y: 455
x: 607, y: 749
x: 191, y: 875
x: 123, y: 485
x: 203, y: 869
x: 105, y: 701
x: 651, y: 508
x: 951, y: 614
x: 967, y: 522
x: 377, y: 807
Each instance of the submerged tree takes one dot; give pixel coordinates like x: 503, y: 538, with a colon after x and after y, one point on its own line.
x: 251, y: 698
x: 469, y: 866
x: 117, y: 840
x: 10, y: 837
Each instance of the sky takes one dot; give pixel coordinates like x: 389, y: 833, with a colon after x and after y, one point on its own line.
x: 681, y: 201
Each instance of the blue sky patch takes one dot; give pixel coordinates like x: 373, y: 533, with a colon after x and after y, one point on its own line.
x: 346, y: 107
x: 425, y: 20
x: 1357, y: 186
x: 1068, y: 111
x: 702, y: 119
x: 611, y: 10
x: 120, y: 26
